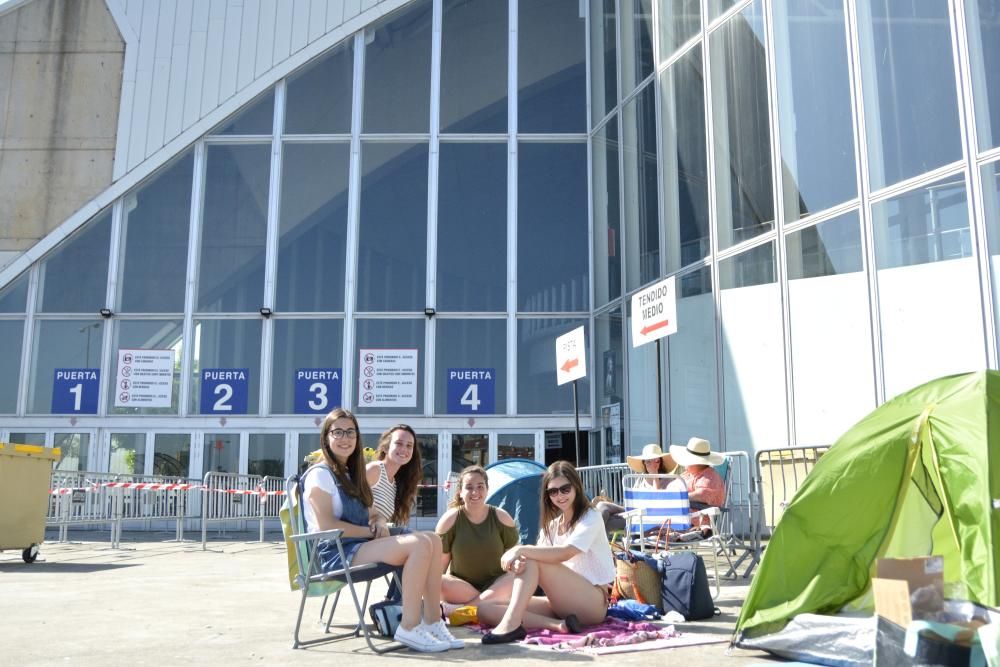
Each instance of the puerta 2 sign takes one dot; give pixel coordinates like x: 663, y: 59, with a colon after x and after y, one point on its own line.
x: 317, y: 390
x: 74, y: 390
x: 472, y: 391
x: 654, y: 312
x: 224, y: 391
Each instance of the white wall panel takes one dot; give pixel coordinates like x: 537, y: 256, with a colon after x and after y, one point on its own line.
x: 248, y: 44
x: 213, y: 56
x: 143, y: 84
x: 176, y: 98
x: 334, y: 13
x: 231, y: 49
x: 161, y: 71
x: 268, y: 14
x: 300, y: 25
x: 194, y: 80
x: 317, y: 19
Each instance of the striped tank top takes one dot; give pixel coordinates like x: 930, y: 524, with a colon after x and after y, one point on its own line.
x: 384, y: 494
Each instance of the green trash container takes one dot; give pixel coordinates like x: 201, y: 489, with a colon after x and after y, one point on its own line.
x: 25, y: 475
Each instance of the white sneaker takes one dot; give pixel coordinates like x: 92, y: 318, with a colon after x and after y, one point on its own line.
x: 440, y: 632
x: 419, y: 639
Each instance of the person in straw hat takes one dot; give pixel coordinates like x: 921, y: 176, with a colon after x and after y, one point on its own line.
x: 652, y: 461
x: 705, y: 486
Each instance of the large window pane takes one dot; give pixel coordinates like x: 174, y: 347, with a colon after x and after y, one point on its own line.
x: 146, y: 335
x: 227, y: 344
x: 908, y: 77
x: 828, y: 292
x: 128, y: 454
x: 603, y: 58
x: 312, y: 228
x: 22, y: 438
x: 172, y: 454
x: 318, y: 99
x: 398, y: 71
x: 814, y: 106
x: 607, y: 215
x: 474, y: 66
x: 392, y: 334
x: 740, y: 118
x: 14, y: 297
x: 266, y: 454
x: 155, y: 242
x: 74, y: 451
x: 69, y: 344
x: 255, y: 118
x: 991, y: 206
x: 641, y: 391
x: 984, y: 53
x: 925, y: 266
x: 234, y: 229
x: 637, y: 42
x: 305, y: 344
x: 537, y: 392
x: 11, y: 333
x: 609, y: 372
x: 679, y: 20
x: 472, y: 344
x: 752, y: 352
x: 472, y: 227
x: 552, y: 227
x: 642, y: 228
x: 685, y: 161
x: 392, y: 246
x: 551, y: 67
x: 221, y: 453
x: 692, y: 363
x: 74, y: 277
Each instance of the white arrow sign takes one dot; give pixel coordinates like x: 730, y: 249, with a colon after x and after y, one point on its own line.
x: 654, y: 312
x: 571, y: 356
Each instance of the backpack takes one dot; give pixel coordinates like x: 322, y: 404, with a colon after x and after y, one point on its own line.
x: 684, y: 585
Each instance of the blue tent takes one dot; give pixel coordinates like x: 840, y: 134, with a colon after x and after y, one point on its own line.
x: 516, y: 486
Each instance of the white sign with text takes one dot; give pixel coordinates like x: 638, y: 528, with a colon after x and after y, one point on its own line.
x: 145, y: 378
x: 654, y: 312
x: 571, y: 356
x: 387, y: 378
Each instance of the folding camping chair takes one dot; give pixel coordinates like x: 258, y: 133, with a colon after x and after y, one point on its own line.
x: 653, y: 514
x: 304, y: 573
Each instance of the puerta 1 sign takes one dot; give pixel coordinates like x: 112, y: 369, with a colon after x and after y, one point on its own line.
x: 654, y: 312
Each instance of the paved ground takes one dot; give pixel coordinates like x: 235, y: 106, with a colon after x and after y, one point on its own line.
x: 167, y: 602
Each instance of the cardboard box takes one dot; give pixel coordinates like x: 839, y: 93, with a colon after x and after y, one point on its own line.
x: 897, y: 579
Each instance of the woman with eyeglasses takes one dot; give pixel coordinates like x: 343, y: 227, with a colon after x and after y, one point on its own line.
x: 572, y: 564
x: 394, y: 477
x: 337, y: 496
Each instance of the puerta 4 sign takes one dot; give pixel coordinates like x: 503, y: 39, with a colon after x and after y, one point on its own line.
x: 654, y: 312
x: 472, y: 391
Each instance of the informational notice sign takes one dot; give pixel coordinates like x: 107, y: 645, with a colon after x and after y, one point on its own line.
x: 612, y: 416
x: 224, y: 391
x: 571, y: 356
x: 317, y: 390
x: 75, y: 390
x: 654, y: 312
x: 145, y: 378
x: 387, y: 378
x: 472, y: 391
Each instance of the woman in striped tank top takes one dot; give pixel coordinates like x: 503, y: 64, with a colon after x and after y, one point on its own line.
x: 395, y: 476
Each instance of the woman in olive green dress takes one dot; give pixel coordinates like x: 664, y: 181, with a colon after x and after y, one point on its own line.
x: 473, y: 537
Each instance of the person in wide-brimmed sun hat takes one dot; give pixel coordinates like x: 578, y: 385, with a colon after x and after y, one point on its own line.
x: 705, y: 486
x: 652, y: 461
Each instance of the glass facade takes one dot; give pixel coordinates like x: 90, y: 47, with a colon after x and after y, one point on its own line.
x: 812, y: 174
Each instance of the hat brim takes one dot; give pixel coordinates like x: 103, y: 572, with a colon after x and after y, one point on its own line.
x: 685, y: 458
x: 667, y: 463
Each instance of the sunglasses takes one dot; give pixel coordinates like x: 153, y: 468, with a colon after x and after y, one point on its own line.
x: 563, y: 490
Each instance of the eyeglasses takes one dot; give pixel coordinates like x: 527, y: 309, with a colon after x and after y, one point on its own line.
x: 339, y: 433
x: 563, y: 490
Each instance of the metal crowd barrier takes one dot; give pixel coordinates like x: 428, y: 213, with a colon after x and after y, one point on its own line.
x: 84, y: 498
x: 737, y: 522
x: 233, y: 498
x: 604, y: 480
x: 779, y: 474
x: 149, y: 498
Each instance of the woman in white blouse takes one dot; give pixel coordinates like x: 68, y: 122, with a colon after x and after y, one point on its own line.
x: 572, y: 563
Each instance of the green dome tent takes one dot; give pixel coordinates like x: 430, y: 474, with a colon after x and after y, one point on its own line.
x: 920, y: 475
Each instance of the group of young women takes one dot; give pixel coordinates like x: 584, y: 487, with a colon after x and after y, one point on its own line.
x: 477, y: 543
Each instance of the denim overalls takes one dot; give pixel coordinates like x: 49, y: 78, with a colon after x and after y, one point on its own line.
x: 354, y: 512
